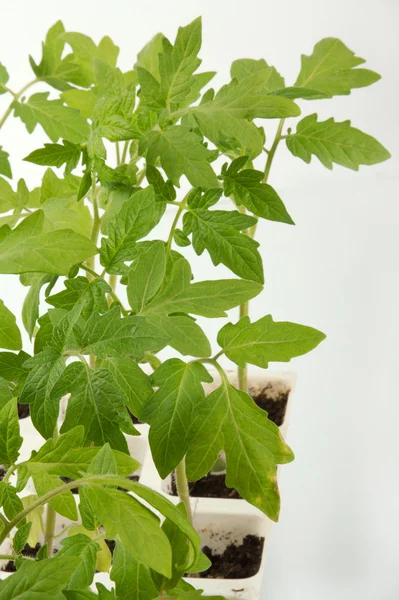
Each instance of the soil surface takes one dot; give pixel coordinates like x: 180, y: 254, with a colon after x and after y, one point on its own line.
x: 276, y: 407
x: 23, y: 411
x: 210, y: 486
x: 28, y: 552
x: 2, y: 473
x: 236, y: 562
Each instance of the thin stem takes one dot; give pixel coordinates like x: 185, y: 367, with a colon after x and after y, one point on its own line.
x: 273, y: 149
x: 243, y: 371
x: 113, y: 280
x: 8, y: 557
x: 16, y: 95
x: 96, y: 215
x: 124, y: 152
x: 152, y: 360
x: 49, y: 528
x: 183, y: 490
x: 182, y: 207
x: 118, y: 154
x: 10, y: 471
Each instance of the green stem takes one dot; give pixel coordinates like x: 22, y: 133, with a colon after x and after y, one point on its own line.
x: 49, y: 528
x: 152, y: 360
x: 182, y: 487
x: 124, y: 152
x: 242, y: 372
x: 16, y: 95
x: 118, y: 154
x: 182, y: 207
x: 10, y: 471
x: 8, y: 557
x: 273, y: 149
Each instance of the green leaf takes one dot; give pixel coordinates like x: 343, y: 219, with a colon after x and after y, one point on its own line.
x: 82, y: 296
x: 147, y: 58
x: 12, y: 366
x: 79, y: 595
x: 82, y: 100
x: 67, y: 213
x: 110, y: 335
x: 35, y: 520
x: 57, y: 120
x: 184, y: 334
x: 267, y: 341
x: 4, y: 77
x: 64, y: 503
x: 10, y: 439
x: 8, y: 198
x: 44, y: 579
x: 178, y: 63
x: 10, y: 336
x: 67, y: 458
x: 5, y: 168
x: 146, y: 275
x: 46, y: 369
x: 226, y: 115
x: 259, y: 198
x: 172, y: 409
x: 6, y: 394
x: 30, y: 308
x: 95, y: 403
x: 132, y: 579
x: 21, y: 537
x: 85, y: 51
x: 137, y: 217
x: 245, y: 67
x: 131, y: 380
x: 55, y: 155
x: 11, y: 502
x: 219, y: 232
x: 330, y: 69
x: 27, y: 249
x: 54, y: 187
x: 334, y: 142
x: 137, y: 527
x: 82, y: 546
x: 181, y: 153
x: 229, y: 419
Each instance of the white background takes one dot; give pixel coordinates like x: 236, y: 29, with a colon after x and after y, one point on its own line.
x: 336, y: 270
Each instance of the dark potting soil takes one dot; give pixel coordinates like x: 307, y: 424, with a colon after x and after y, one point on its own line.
x: 210, y: 486
x: 23, y: 411
x: 274, y: 405
x: 28, y: 552
x: 132, y: 478
x: 134, y: 419
x: 2, y: 473
x: 237, y: 561
x: 111, y: 545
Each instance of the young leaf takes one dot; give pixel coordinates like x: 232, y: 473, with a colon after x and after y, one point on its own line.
x: 5, y: 168
x: 4, y: 77
x: 219, y: 232
x: 82, y: 546
x: 21, y: 537
x: 55, y: 155
x: 334, y: 142
x: 172, y: 410
x: 137, y: 217
x: 64, y: 503
x: 82, y: 296
x: 30, y: 308
x: 229, y: 419
x: 27, y: 250
x: 10, y: 336
x: 43, y: 579
x: 330, y: 69
x: 85, y: 51
x: 35, y: 519
x: 267, y: 341
x: 181, y: 153
x: 10, y: 439
x: 11, y: 502
x: 147, y: 58
x: 46, y: 369
x: 146, y: 275
x: 57, y: 120
x: 259, y: 198
x: 129, y: 377
x: 137, y: 527
x: 132, y: 579
x: 245, y: 67
x: 8, y: 198
x: 95, y: 403
x: 184, y: 334
x: 83, y: 100
x: 178, y: 63
x: 12, y: 366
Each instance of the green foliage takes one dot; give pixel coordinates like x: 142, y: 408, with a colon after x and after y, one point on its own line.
x: 127, y: 141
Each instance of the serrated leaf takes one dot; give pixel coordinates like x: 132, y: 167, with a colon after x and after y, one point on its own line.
x: 110, y: 335
x: 8, y: 198
x: 95, y: 403
x: 10, y: 439
x: 137, y: 527
x: 6, y: 394
x: 30, y: 308
x: 334, y: 142
x: 44, y: 579
x: 80, y: 293
x: 259, y: 198
x: 21, y: 537
x: 245, y: 67
x: 82, y: 546
x: 267, y: 341
x: 11, y: 502
x: 147, y: 58
x: 12, y: 366
x: 227, y: 114
x: 55, y: 187
x: 56, y: 155
x: 10, y: 336
x: 230, y: 420
x: 64, y: 503
x: 46, y: 369
x: 219, y: 232
x: 35, y: 519
x: 132, y: 579
x: 4, y: 77
x: 57, y: 120
x: 27, y: 249
x: 330, y: 69
x: 146, y: 275
x: 5, y: 167
x: 172, y: 409
x: 85, y: 51
x: 184, y: 334
x: 129, y: 377
x: 137, y: 217
x: 178, y: 63
x: 67, y: 213
x: 181, y: 153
